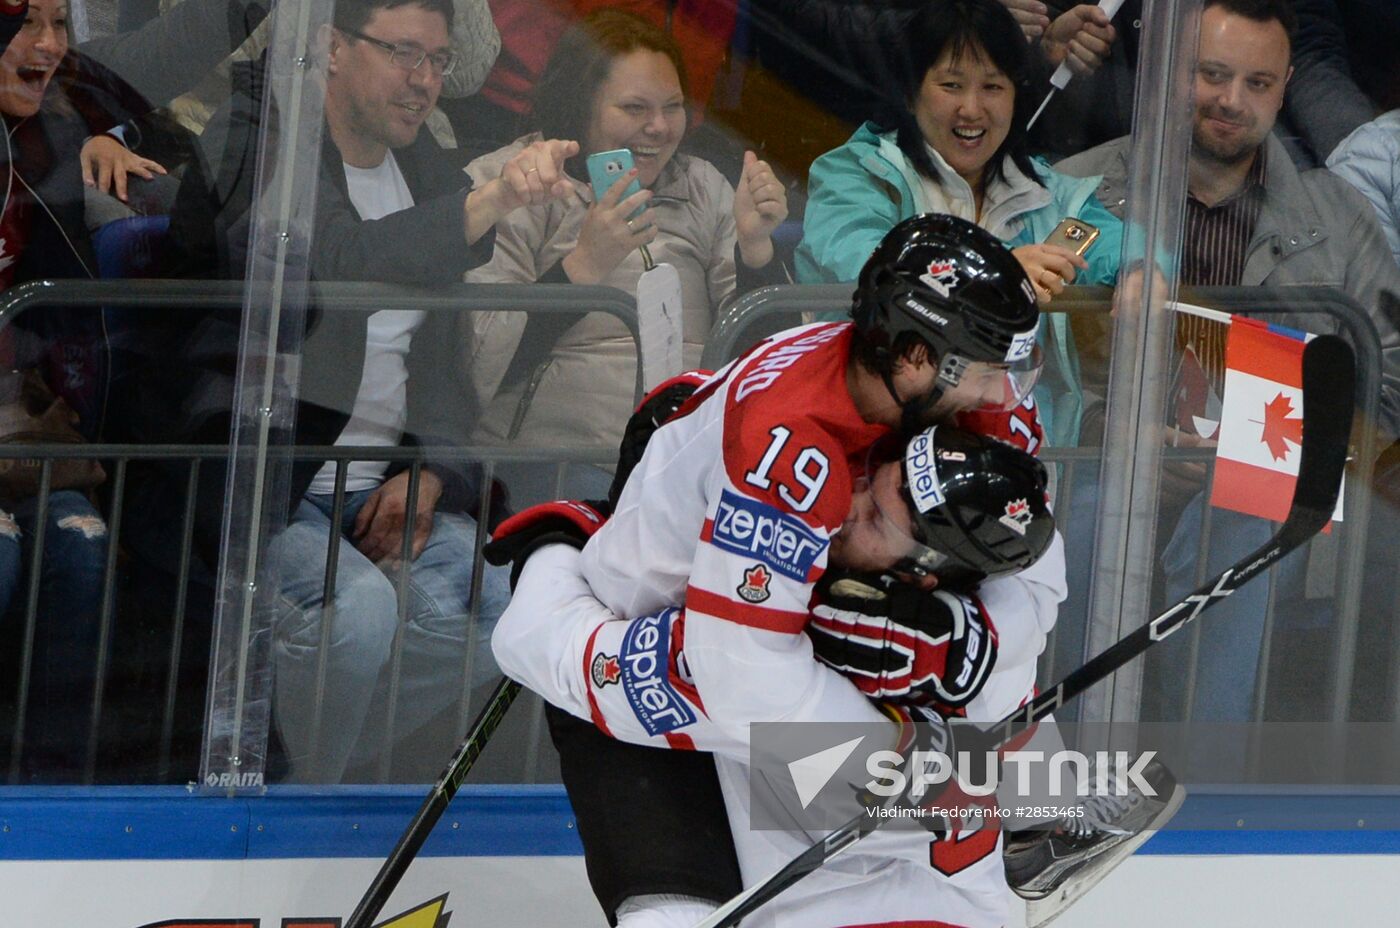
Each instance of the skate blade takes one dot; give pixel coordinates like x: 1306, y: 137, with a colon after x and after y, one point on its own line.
x: 1044, y: 907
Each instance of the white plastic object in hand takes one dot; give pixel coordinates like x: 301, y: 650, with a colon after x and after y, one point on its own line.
x: 1063, y: 74
x: 1061, y: 78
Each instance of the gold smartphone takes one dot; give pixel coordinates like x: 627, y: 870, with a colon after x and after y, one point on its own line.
x: 1074, y: 234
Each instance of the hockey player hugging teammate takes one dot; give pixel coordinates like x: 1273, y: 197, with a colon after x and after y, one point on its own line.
x: 689, y: 615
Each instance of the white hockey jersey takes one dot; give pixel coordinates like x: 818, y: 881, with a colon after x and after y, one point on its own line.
x: 730, y: 512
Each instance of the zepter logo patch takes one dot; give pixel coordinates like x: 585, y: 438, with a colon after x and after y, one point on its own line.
x: 922, y: 473
x: 1022, y: 344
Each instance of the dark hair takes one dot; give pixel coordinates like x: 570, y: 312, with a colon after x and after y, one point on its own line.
x: 963, y: 26
x: 880, y: 360
x: 353, y: 14
x: 563, y: 100
x: 1262, y: 11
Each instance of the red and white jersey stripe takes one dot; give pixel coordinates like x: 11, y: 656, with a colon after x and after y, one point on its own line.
x: 730, y: 512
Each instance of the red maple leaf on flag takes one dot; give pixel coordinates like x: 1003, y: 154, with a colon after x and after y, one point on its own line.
x: 1279, y: 429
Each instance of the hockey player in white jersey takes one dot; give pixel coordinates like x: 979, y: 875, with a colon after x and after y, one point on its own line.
x: 955, y: 875
x: 761, y: 469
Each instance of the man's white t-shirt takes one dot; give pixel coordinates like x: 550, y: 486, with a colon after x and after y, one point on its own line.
x: 381, y: 407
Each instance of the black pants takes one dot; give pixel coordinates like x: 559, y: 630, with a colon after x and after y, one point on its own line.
x: 651, y: 820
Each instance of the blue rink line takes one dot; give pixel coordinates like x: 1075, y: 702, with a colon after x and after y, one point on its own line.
x: 167, y: 823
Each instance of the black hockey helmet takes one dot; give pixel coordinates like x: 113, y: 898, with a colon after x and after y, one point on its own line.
x: 978, y: 507
x: 959, y: 288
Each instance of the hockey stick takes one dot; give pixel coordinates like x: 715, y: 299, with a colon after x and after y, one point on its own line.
x: 1328, y: 376
x: 434, y: 805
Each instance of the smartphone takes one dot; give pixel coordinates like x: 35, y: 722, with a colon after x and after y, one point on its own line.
x: 1074, y: 234
x: 606, y: 168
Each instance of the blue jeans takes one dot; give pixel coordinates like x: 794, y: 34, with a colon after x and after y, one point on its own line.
x: 61, y: 685
x: 358, y: 661
x: 1232, y: 632
x: 1076, y: 506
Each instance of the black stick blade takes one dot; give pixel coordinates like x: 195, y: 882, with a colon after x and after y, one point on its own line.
x: 1329, y: 385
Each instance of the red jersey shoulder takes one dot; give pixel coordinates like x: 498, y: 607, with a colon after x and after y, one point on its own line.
x: 774, y: 448
x: 788, y: 366
x: 1019, y: 426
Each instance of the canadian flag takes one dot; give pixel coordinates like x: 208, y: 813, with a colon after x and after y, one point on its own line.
x: 1261, y: 421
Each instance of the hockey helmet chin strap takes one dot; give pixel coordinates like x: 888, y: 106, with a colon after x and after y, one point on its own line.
x: 1013, y: 383
x: 913, y: 410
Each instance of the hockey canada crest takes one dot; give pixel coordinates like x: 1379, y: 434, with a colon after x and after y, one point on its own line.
x: 941, y: 277
x: 1017, y: 516
x: 754, y: 589
x: 605, y: 670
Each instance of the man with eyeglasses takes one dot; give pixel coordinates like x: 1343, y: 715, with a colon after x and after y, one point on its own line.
x: 391, y: 206
x: 386, y: 60
x: 385, y: 64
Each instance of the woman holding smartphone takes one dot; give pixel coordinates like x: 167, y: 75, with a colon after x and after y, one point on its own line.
x: 615, y: 84
x: 954, y: 141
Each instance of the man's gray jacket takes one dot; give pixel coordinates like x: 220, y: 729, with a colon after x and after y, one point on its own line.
x: 1313, y: 229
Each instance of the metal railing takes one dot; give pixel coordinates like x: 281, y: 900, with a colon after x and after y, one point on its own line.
x: 763, y: 306
x: 1314, y: 309
x: 146, y: 296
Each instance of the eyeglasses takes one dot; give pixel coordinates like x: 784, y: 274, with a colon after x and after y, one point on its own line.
x: 410, y: 57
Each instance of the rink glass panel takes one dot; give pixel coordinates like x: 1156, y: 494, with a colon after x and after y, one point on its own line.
x: 183, y: 678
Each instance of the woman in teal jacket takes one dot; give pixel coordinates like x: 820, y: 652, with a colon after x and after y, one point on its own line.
x: 955, y: 143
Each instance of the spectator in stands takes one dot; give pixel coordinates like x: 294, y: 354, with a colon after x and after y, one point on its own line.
x: 60, y: 97
x: 52, y: 98
x: 390, y: 206
x: 61, y: 100
x: 813, y: 70
x: 1252, y: 218
x: 615, y: 81
x: 58, y: 701
x: 475, y: 42
x: 1298, y: 227
x: 1369, y: 159
x: 1323, y: 103
x: 836, y: 53
x: 956, y: 144
x: 530, y: 30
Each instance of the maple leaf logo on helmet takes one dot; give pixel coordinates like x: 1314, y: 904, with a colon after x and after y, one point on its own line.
x: 941, y: 277
x: 1017, y: 516
x: 605, y: 669
x: 754, y: 589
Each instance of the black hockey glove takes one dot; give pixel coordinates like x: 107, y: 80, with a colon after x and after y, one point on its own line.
x: 570, y: 522
x: 901, y: 644
x: 655, y: 409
